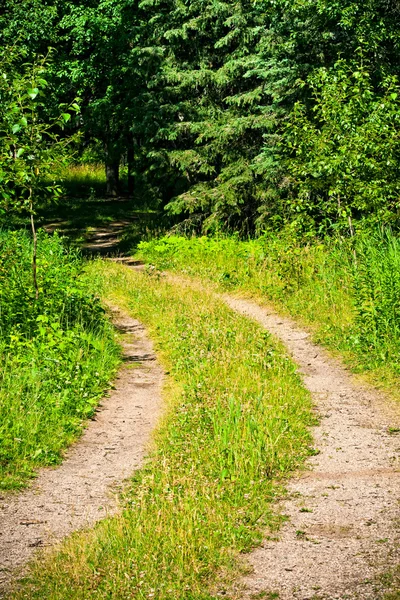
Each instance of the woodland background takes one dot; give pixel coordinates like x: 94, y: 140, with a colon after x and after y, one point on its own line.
x: 231, y: 116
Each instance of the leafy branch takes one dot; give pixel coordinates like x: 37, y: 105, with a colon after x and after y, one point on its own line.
x: 32, y: 147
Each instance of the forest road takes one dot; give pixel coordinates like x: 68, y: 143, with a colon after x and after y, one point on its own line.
x: 344, y: 514
x: 84, y: 488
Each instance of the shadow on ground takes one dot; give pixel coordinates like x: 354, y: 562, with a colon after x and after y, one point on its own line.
x: 103, y: 227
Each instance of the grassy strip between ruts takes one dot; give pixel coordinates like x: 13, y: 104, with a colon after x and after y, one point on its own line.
x: 235, y: 425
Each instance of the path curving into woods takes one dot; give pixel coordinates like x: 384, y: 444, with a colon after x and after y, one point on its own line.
x: 84, y: 488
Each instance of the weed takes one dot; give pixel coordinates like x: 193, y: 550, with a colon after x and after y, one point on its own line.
x: 301, y: 535
x: 265, y: 596
x: 393, y: 430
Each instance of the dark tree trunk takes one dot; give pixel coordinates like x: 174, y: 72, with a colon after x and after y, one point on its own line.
x: 112, y: 172
x: 131, y: 166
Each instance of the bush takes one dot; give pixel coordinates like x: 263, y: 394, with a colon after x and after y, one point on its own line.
x: 343, y: 154
x: 63, y: 299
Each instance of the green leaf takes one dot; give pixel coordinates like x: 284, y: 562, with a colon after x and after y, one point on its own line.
x: 33, y: 92
x: 66, y: 117
x: 16, y: 128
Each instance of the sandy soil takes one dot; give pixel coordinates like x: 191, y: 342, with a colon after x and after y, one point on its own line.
x: 84, y: 488
x: 344, y: 518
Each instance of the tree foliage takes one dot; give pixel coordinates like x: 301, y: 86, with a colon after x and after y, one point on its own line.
x: 237, y: 114
x: 31, y: 148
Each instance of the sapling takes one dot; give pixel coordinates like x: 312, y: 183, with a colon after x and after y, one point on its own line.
x: 32, y: 148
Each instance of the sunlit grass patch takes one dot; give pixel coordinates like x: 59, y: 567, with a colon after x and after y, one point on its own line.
x: 310, y: 281
x: 236, y: 423
x: 81, y: 180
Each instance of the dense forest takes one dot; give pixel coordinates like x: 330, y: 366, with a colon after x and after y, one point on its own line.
x: 235, y: 116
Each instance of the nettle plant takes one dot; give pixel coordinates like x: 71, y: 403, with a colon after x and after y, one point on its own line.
x: 33, y: 145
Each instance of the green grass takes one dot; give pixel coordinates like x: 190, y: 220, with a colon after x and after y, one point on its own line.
x: 58, y: 354
x: 84, y: 180
x: 312, y: 281
x: 345, y: 291
x: 48, y: 388
x: 387, y: 585
x: 235, y: 425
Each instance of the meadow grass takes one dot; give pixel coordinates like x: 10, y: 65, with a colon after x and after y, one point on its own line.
x: 58, y: 355
x: 345, y: 291
x: 235, y: 425
x: 80, y: 180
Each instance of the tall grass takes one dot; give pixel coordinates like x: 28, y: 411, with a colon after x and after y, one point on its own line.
x: 57, y: 354
x: 347, y: 290
x: 235, y: 424
x: 377, y: 298
x: 82, y: 180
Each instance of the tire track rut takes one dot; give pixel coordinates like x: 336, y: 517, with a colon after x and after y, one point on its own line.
x: 344, y: 520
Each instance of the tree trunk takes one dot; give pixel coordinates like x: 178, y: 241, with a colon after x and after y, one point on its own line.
x: 112, y: 172
x: 131, y: 166
x: 112, y: 178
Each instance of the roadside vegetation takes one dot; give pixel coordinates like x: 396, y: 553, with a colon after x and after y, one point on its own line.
x: 232, y: 116
x: 346, y: 289
x: 58, y: 355
x: 235, y: 426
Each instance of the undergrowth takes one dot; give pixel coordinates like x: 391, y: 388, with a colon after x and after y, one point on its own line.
x: 57, y: 352
x: 235, y: 424
x: 347, y: 290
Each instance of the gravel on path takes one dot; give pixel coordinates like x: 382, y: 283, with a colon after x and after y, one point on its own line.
x: 84, y: 488
x: 344, y: 519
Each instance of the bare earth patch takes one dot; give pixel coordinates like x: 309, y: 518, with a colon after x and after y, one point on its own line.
x: 343, y: 525
x: 83, y: 489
